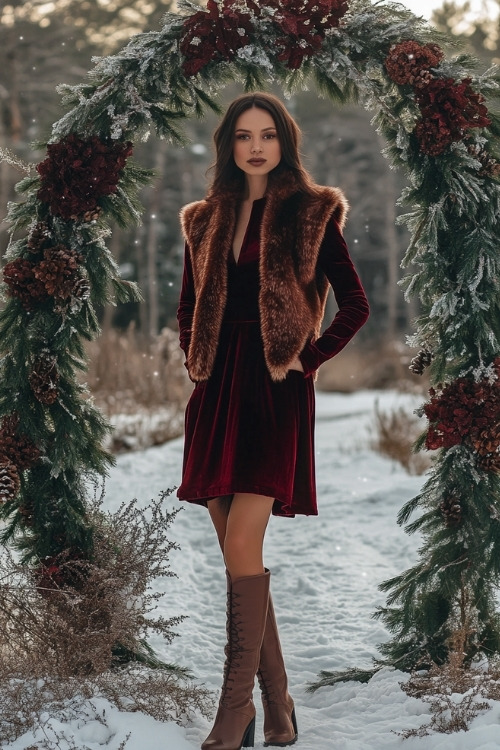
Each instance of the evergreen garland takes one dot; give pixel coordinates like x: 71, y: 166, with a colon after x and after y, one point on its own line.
x: 441, y: 123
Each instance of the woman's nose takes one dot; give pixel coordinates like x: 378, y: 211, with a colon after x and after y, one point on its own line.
x: 256, y: 147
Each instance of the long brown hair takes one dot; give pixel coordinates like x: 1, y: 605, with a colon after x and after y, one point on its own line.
x: 227, y: 174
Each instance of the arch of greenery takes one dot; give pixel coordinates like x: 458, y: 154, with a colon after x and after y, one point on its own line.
x: 438, y: 119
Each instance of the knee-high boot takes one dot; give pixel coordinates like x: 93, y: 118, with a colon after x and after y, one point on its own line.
x: 234, y: 725
x: 280, y: 726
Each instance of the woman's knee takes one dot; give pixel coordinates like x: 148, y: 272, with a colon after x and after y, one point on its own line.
x: 239, y: 545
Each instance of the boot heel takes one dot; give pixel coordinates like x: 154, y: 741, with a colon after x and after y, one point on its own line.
x: 294, y: 722
x: 249, y: 738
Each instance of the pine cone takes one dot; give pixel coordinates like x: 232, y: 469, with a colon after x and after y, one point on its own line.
x: 44, y: 378
x: 490, y: 462
x: 93, y: 214
x: 10, y: 482
x: 408, y: 62
x: 487, y: 441
x: 18, y: 449
x: 39, y: 237
x: 421, y: 361
x: 19, y: 275
x: 451, y: 511
x: 81, y: 288
x: 489, y: 165
x: 58, y: 271
x: 422, y: 79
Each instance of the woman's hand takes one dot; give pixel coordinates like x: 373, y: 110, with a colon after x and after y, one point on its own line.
x: 296, y: 364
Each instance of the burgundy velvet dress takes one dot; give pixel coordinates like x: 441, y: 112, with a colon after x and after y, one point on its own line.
x: 243, y: 431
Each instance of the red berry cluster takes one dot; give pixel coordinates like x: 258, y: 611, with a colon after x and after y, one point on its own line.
x: 77, y: 172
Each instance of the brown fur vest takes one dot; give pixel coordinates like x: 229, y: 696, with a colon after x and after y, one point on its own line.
x: 292, y: 293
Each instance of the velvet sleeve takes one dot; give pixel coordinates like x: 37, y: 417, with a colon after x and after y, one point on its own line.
x: 334, y: 261
x: 186, y: 303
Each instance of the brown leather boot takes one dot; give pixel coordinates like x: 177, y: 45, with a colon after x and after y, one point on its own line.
x: 280, y: 726
x: 234, y: 725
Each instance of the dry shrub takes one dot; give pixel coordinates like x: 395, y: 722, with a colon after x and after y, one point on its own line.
x: 74, y: 639
x: 360, y: 367
x: 142, y: 385
x: 455, y: 692
x: 395, y: 434
x: 37, y: 704
x: 135, y: 432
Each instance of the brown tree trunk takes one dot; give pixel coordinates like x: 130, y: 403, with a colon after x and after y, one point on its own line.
x: 114, y: 248
x: 15, y: 117
x: 152, y: 246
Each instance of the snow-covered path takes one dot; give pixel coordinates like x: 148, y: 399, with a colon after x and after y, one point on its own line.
x: 325, y: 576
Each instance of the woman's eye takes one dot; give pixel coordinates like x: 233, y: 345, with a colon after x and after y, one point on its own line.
x: 241, y: 137
x: 270, y: 136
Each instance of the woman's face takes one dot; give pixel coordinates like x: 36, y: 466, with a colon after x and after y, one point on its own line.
x: 256, y: 147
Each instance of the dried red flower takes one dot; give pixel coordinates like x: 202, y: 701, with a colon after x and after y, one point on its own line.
x: 77, y: 172
x: 408, y: 61
x: 466, y: 412
x: 433, y: 136
x: 449, y: 110
x: 214, y: 35
x: 304, y: 24
x: 218, y: 33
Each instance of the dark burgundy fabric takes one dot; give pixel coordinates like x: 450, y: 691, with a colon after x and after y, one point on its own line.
x: 243, y: 431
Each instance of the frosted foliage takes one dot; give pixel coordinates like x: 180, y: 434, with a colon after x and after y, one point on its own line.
x: 188, y: 7
x: 256, y: 56
x: 474, y: 283
x: 466, y: 459
x: 485, y: 372
x: 402, y: 139
x: 119, y: 123
x: 446, y: 306
x: 493, y: 341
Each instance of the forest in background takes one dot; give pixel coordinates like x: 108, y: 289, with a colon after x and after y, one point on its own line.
x: 46, y: 43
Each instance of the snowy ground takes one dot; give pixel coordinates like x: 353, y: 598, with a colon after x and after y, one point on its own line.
x: 325, y: 576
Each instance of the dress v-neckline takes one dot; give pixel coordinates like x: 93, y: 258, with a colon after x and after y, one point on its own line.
x: 237, y: 260
x: 247, y: 229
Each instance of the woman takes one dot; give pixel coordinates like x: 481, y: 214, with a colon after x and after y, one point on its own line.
x: 261, y: 251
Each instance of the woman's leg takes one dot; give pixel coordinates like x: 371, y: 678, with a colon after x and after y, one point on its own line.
x: 240, y: 525
x: 280, y: 727
x: 241, y: 530
x: 218, y: 508
x: 245, y: 529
